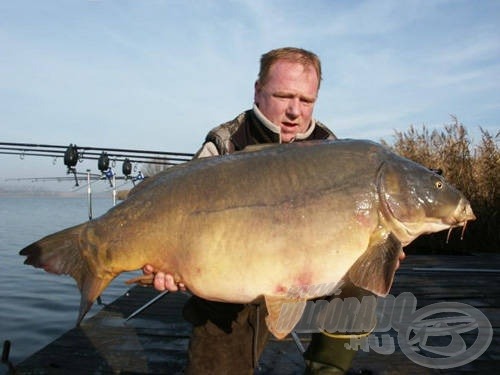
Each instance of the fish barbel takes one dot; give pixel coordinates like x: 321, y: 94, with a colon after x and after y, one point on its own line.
x: 275, y: 222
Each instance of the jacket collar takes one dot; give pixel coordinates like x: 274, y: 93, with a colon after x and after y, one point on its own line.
x: 276, y: 129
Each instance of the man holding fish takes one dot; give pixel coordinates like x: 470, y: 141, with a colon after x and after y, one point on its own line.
x: 229, y: 338
x: 281, y: 224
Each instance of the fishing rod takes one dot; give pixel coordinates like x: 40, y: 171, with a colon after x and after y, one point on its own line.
x: 41, y: 179
x: 73, y: 154
x: 95, y: 156
x: 86, y: 152
x: 108, y: 149
x: 93, y: 176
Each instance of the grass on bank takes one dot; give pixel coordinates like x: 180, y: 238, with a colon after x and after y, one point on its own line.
x: 473, y: 169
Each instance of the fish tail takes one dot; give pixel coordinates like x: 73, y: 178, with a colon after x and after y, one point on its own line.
x: 63, y: 253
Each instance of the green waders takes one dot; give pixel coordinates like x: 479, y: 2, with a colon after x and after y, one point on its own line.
x: 329, y: 352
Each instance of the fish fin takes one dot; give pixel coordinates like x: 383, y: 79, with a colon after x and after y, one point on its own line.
x: 258, y: 147
x: 91, y: 288
x: 60, y: 253
x: 149, y: 181
x: 140, y: 187
x: 57, y: 253
x: 283, y: 314
x: 144, y: 280
x: 265, y: 146
x: 374, y: 270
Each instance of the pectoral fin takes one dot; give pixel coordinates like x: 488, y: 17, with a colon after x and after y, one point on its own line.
x: 374, y: 270
x: 283, y: 314
x: 143, y: 280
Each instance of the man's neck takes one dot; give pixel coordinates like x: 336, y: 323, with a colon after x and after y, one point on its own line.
x: 277, y: 130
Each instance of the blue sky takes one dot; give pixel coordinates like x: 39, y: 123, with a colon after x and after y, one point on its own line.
x: 153, y: 74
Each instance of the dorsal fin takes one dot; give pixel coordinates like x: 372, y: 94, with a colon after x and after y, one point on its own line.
x: 259, y: 147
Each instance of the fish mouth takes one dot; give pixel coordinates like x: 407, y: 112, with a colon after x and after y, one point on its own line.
x: 465, y: 208
x: 462, y: 224
x: 463, y: 214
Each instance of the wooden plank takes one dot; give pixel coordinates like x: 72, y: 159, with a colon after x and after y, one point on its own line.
x: 156, y: 340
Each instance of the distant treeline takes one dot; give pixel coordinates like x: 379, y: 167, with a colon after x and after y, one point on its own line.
x: 473, y: 169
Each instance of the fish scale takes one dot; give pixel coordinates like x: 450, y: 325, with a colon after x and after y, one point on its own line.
x: 262, y: 224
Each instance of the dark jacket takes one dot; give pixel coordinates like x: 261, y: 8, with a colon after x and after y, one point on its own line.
x: 245, y: 130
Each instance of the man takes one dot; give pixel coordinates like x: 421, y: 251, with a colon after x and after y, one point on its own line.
x: 228, y: 338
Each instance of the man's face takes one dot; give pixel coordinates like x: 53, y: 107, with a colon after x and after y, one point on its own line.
x: 287, y: 98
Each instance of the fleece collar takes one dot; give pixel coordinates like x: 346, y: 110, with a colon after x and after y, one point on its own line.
x: 276, y: 129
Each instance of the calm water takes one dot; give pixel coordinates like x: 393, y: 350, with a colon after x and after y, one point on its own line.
x: 37, y: 307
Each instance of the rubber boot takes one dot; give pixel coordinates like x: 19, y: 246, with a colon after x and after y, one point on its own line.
x: 326, y: 355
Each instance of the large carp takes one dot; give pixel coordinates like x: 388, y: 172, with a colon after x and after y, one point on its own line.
x: 274, y: 222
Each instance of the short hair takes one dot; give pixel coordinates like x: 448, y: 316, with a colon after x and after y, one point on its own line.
x: 292, y: 54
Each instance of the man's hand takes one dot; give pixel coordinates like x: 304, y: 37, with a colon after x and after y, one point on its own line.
x: 163, y: 281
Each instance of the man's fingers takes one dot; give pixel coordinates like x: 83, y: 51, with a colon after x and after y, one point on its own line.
x: 147, y: 269
x: 159, y: 281
x: 170, y: 283
x: 164, y: 281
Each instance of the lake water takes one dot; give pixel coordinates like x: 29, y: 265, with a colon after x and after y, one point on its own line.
x: 36, y: 307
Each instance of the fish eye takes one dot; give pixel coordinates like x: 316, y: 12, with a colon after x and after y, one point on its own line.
x: 439, y: 184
